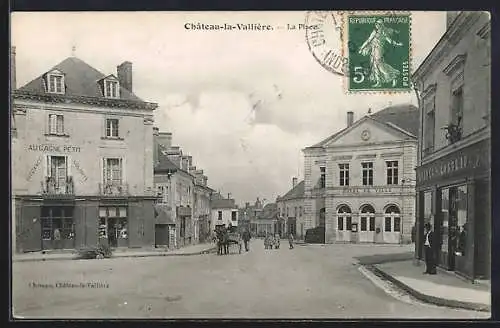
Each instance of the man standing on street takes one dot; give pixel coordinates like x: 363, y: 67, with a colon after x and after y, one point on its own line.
x: 290, y: 240
x: 246, y: 238
x: 430, y: 265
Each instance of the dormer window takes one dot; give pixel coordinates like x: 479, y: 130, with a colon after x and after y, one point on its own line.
x: 110, y: 87
x: 55, y: 82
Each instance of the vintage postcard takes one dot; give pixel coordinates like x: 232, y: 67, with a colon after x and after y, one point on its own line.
x: 291, y: 165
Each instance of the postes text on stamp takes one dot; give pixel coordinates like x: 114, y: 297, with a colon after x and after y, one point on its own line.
x: 379, y: 48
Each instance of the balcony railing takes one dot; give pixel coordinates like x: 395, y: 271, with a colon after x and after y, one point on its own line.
x: 113, y: 189
x: 52, y: 186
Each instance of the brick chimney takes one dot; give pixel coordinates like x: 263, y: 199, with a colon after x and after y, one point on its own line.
x: 124, y: 71
x: 13, y: 68
x: 350, y: 118
x: 294, y: 182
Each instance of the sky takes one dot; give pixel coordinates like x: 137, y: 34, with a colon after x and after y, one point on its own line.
x: 243, y: 103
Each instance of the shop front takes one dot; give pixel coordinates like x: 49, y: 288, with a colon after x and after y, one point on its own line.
x: 454, y: 197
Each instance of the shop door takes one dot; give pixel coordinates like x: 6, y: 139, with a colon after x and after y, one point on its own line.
x: 161, y: 235
x: 29, y: 231
x: 452, y: 228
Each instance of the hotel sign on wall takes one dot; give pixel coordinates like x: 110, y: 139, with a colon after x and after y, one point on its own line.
x: 54, y: 148
x: 370, y: 190
x: 465, y: 162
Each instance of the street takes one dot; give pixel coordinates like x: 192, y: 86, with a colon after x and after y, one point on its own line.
x: 315, y: 281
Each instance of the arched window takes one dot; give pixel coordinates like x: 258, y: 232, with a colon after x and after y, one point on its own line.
x: 344, y: 214
x: 367, y: 218
x: 392, y: 219
x: 322, y: 217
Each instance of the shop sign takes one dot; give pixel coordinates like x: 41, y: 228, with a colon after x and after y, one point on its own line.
x: 368, y: 190
x: 466, y: 162
x: 54, y: 148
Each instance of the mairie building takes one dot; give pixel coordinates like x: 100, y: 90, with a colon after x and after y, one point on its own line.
x: 82, y: 160
x: 360, y: 182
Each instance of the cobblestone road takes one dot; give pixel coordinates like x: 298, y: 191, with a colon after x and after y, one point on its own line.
x: 307, y: 282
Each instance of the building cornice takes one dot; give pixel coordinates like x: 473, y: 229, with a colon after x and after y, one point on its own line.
x: 450, y: 38
x: 430, y: 90
x: 105, y: 102
x: 455, y: 65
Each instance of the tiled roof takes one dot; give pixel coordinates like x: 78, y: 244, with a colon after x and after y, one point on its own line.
x: 223, y: 203
x: 164, y: 164
x: 270, y: 211
x: 296, y: 192
x: 80, y: 80
x: 405, y: 117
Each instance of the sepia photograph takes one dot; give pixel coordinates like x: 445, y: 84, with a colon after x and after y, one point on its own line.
x: 250, y: 165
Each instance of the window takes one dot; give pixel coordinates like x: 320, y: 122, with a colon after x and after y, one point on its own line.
x: 56, y: 124
x: 220, y: 215
x: 344, y: 174
x: 295, y: 211
x: 367, y: 218
x: 344, y: 214
x: 163, y: 194
x: 233, y: 216
x: 113, y: 171
x: 457, y: 107
x: 429, y: 126
x: 287, y: 212
x: 367, y: 169
x: 55, y: 82
x: 392, y: 172
x: 56, y: 180
x: 300, y: 210
x: 322, y: 180
x: 111, y: 89
x: 112, y: 128
x: 57, y: 217
x: 392, y: 219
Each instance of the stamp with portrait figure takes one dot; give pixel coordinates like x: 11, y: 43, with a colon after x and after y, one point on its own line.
x: 379, y: 51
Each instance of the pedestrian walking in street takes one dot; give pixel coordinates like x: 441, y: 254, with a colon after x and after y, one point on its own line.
x: 246, y: 238
x: 220, y: 241
x: 225, y: 238
x: 57, y: 238
x: 290, y: 240
x: 430, y: 264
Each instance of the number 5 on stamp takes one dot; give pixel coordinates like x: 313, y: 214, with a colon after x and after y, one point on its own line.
x: 380, y: 61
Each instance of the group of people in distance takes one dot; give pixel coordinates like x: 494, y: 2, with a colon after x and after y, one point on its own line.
x: 271, y: 241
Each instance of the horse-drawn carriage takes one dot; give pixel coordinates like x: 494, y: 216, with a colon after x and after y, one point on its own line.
x: 234, y: 238
x: 228, y: 239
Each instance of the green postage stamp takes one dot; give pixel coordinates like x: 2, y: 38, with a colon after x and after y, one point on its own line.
x: 379, y: 48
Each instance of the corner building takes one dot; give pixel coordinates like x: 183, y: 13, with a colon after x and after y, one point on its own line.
x: 454, y: 167
x: 82, y: 160
x: 360, y: 182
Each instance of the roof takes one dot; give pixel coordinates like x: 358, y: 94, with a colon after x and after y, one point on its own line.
x: 295, y: 192
x: 80, y: 78
x: 270, y: 211
x: 404, y: 117
x: 223, y: 203
x: 164, y: 164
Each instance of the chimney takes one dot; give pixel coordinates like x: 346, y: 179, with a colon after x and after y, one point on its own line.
x: 124, y: 71
x: 155, y: 145
x: 350, y: 118
x: 13, y: 68
x: 165, y: 139
x: 294, y: 182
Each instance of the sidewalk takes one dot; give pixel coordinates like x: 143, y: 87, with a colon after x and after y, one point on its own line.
x: 197, y: 249
x: 444, y: 288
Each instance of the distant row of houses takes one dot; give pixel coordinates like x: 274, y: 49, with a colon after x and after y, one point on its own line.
x: 88, y: 162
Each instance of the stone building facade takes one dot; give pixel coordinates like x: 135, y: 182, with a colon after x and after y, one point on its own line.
x: 360, y: 182
x: 291, y: 209
x: 454, y: 166
x: 82, y: 160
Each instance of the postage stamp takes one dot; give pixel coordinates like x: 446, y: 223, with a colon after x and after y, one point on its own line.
x: 378, y: 52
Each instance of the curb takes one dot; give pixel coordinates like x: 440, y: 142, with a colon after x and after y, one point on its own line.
x: 427, y: 298
x: 205, y: 251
